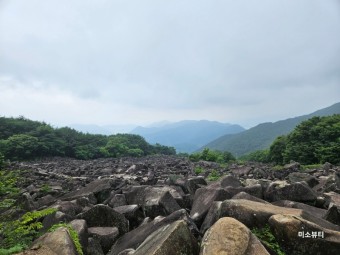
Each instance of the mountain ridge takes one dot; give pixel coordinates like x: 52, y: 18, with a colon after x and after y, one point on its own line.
x: 262, y: 135
x: 186, y: 135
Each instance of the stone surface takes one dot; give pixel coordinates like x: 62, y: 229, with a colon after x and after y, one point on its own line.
x: 80, y: 227
x: 204, y: 197
x: 105, y: 235
x: 230, y: 181
x: 298, y: 192
x: 105, y: 216
x: 100, y: 188
x: 58, y: 241
x: 230, y: 237
x: 137, y: 236
x: 254, y: 214
x: 286, y: 229
x: 299, y: 177
x: 133, y: 213
x: 318, y: 212
x: 94, y: 247
x: 245, y: 195
x: 174, y: 239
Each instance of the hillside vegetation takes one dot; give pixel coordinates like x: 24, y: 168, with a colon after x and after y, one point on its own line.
x: 262, y: 136
x: 22, y: 139
x: 314, y: 141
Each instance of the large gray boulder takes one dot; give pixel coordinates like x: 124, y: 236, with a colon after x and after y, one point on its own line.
x: 136, y: 237
x: 229, y: 236
x: 318, y: 212
x: 291, y: 232
x: 105, y: 216
x: 172, y: 239
x: 255, y: 214
x: 299, y: 192
x: 58, y: 241
x: 80, y: 227
x: 101, y: 190
x: 230, y: 181
x: 133, y: 213
x: 204, y: 198
x: 105, y: 235
x: 155, y: 201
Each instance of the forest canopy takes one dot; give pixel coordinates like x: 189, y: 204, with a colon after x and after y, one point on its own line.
x: 24, y: 139
x: 314, y: 141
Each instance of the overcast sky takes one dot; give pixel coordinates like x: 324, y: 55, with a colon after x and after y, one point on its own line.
x: 138, y: 62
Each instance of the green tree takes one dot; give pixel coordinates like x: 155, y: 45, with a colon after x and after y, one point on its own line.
x: 277, y: 150
x: 212, y: 155
x: 21, y: 146
x: 314, y: 141
x: 257, y: 156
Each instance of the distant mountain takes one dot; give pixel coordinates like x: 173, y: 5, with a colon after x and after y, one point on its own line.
x: 103, y: 130
x: 261, y: 136
x: 187, y: 135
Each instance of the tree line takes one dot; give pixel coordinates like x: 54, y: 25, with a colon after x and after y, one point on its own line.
x: 24, y: 139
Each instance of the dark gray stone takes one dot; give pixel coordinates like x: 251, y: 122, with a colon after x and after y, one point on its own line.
x: 105, y: 216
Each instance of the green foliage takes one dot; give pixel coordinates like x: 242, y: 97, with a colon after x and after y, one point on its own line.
x: 213, y: 156
x: 21, y: 146
x: 262, y: 136
x: 2, y: 160
x: 214, y: 175
x: 314, y: 141
x: 8, y: 181
x: 266, y: 236
x: 12, y: 250
x: 257, y: 156
x: 7, y: 203
x: 277, y: 168
x: 313, y: 166
x: 45, y: 188
x: 277, y: 150
x: 199, y: 170
x: 22, y: 139
x: 73, y: 234
x: 21, y: 232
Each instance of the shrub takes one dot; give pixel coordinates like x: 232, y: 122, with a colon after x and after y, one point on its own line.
x: 45, y: 188
x: 2, y: 161
x: 212, y: 156
x: 214, y: 175
x: 266, y: 236
x: 199, y: 170
x: 257, y: 156
x: 8, y: 181
x: 20, y: 233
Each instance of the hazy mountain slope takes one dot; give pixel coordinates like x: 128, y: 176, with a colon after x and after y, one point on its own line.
x: 103, y: 130
x: 187, y: 135
x: 262, y: 135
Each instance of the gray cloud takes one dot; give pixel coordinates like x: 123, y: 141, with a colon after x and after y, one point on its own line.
x: 233, y: 61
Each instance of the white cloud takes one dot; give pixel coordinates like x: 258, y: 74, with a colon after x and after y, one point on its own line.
x: 143, y: 61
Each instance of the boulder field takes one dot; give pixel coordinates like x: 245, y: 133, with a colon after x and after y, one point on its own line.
x: 164, y: 205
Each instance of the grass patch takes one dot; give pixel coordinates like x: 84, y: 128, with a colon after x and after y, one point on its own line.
x: 314, y: 166
x: 277, y: 167
x: 13, y: 250
x: 45, y: 188
x: 214, y: 175
x: 267, y: 237
x: 199, y: 170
